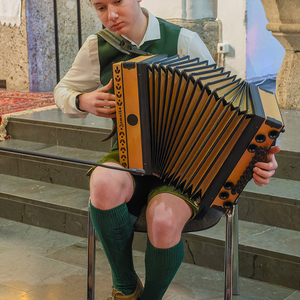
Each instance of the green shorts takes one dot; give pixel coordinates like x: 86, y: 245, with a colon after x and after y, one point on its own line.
x: 146, y: 187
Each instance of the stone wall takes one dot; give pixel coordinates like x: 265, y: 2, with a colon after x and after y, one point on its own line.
x: 41, y: 47
x: 41, y: 38
x: 68, y: 31
x: 207, y: 29
x: 284, y: 22
x: 28, y: 57
x: 14, y: 71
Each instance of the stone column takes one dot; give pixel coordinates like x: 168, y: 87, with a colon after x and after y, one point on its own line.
x: 284, y: 22
x: 14, y: 71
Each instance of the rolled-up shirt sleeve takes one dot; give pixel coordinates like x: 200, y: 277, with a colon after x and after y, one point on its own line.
x: 189, y: 43
x: 83, y: 77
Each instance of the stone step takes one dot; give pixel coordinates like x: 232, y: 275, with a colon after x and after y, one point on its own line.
x: 276, y: 204
x: 267, y: 253
x: 47, y: 170
x: 43, y: 204
x: 54, y: 194
x: 289, y: 142
x: 288, y: 164
x: 53, y: 127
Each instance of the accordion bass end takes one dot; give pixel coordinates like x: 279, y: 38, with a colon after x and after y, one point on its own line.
x: 193, y: 125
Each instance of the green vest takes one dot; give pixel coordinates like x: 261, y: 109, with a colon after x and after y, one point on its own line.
x: 167, y: 44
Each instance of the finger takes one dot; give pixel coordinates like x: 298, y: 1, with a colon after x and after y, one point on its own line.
x: 260, y: 181
x: 263, y: 173
x: 107, y: 87
x: 269, y: 164
x: 104, y: 114
x: 257, y: 181
x: 105, y: 96
x: 108, y: 112
x: 105, y: 104
x: 270, y: 155
x: 274, y: 150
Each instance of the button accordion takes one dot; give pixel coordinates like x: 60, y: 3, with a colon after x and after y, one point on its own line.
x: 192, y: 124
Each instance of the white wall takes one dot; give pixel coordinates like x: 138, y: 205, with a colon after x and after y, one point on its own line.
x: 232, y: 15
x: 182, y: 9
x: 166, y: 9
x: 252, y: 47
x: 264, y: 54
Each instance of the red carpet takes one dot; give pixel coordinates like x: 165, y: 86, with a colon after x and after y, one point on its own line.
x: 20, y: 102
x: 11, y: 102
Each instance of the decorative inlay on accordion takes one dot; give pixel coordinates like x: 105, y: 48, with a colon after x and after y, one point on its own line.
x: 195, y: 126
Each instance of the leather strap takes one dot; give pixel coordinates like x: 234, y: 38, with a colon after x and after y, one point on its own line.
x: 120, y: 43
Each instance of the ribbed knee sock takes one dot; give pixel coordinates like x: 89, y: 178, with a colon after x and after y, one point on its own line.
x: 161, y: 267
x: 115, y: 230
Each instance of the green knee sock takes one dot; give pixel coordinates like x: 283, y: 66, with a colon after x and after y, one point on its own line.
x: 115, y: 230
x: 161, y: 267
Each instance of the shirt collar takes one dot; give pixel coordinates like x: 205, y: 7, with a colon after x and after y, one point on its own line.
x: 153, y: 30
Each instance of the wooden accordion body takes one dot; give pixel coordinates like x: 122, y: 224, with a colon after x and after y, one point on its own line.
x: 193, y: 125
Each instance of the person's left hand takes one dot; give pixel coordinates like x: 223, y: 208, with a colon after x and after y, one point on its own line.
x: 263, y: 171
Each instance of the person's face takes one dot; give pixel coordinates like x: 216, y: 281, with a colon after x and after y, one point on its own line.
x: 119, y: 16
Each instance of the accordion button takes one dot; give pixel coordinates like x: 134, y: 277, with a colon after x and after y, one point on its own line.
x: 132, y: 120
x: 260, y: 138
x: 252, y: 148
x: 224, y: 195
x: 273, y: 134
x: 228, y: 185
x: 227, y: 205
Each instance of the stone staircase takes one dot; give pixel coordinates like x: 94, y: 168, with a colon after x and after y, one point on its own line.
x: 54, y: 194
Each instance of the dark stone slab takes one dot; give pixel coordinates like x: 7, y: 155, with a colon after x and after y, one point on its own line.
x: 276, y: 204
x: 51, y: 133
x: 45, y: 170
x: 288, y: 165
x: 269, y: 269
x: 44, y: 217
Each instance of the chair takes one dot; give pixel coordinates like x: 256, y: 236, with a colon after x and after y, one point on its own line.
x: 211, y: 218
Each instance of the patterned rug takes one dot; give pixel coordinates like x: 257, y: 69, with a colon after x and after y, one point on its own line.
x: 17, y: 103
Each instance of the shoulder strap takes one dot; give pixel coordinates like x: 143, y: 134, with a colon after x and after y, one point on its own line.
x: 120, y: 43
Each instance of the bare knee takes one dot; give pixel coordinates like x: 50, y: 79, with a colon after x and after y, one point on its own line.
x: 110, y: 188
x: 165, y: 221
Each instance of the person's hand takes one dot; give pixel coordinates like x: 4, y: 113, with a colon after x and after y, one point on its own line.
x: 263, y: 171
x: 99, y: 102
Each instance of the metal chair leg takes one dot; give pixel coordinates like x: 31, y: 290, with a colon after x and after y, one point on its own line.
x: 229, y: 253
x: 231, y: 256
x: 235, y: 259
x: 91, y: 260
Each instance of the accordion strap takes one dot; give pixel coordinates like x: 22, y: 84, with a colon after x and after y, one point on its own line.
x: 120, y: 43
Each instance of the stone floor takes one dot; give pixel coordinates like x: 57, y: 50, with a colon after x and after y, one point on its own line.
x: 37, y: 263
x: 40, y: 264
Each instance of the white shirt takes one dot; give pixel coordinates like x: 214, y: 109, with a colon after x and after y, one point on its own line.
x: 84, y: 75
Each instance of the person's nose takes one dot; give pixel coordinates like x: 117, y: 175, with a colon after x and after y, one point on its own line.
x: 112, y: 13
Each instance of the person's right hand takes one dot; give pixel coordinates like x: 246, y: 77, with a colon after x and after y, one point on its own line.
x: 99, y: 102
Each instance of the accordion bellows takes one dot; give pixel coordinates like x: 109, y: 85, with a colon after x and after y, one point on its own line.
x: 193, y: 125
